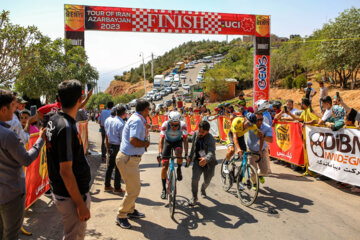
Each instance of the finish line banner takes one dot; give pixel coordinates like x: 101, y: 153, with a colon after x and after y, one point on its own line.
x: 80, y: 18
x: 288, y: 143
x: 334, y: 154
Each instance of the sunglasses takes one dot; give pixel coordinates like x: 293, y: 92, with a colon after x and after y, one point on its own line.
x: 260, y: 119
x: 174, y: 125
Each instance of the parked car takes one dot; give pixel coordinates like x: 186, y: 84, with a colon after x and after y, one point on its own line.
x: 182, y: 76
x: 132, y: 103
x: 158, y: 97
x: 148, y: 98
x: 174, y: 87
x: 163, y: 93
x: 168, y: 90
x: 186, y: 86
x: 168, y: 103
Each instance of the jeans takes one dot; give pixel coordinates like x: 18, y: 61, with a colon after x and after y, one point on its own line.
x: 197, y: 170
x: 103, y: 148
x: 11, y: 218
x: 321, y: 106
x: 113, y: 151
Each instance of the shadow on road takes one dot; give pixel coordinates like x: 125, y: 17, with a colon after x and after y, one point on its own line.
x: 290, y: 177
x: 271, y: 200
x: 200, y: 214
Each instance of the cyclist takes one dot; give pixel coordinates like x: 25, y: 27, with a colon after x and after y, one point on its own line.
x: 173, y: 134
x: 236, y: 139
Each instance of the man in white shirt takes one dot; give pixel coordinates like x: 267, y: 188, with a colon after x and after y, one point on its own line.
x: 327, y: 103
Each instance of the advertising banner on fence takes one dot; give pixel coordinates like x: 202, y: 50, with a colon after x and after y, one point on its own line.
x: 192, y: 123
x: 224, y: 127
x: 214, y: 126
x: 37, y: 179
x: 169, y: 21
x: 334, y: 154
x: 288, y: 143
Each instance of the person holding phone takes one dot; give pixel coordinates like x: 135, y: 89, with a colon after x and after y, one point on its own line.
x: 27, y: 120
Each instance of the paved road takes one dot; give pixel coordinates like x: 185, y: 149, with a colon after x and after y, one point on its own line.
x: 190, y: 74
x: 306, y: 208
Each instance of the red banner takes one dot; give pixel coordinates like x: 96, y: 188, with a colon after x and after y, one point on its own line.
x: 37, y: 179
x: 167, y: 21
x: 192, y: 123
x: 224, y: 127
x: 261, y: 77
x: 288, y: 143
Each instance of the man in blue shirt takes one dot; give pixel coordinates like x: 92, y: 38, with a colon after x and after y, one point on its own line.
x: 113, y: 128
x: 133, y: 144
x: 103, y: 116
x: 253, y: 145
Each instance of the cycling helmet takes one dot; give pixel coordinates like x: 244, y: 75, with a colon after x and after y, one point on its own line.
x: 251, y: 117
x: 261, y: 105
x: 174, y: 116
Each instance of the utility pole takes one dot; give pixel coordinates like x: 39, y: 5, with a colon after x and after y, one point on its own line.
x: 152, y: 65
x: 142, y: 54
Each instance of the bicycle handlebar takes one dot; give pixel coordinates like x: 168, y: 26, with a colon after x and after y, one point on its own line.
x: 173, y: 157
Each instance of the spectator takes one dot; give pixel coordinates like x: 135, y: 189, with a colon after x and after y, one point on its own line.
x: 202, y: 99
x: 103, y: 116
x: 133, y: 143
x: 13, y: 156
x: 327, y: 103
x: 253, y: 140
x: 15, y: 125
x: 203, y: 155
x: 25, y: 121
x: 336, y: 121
x: 309, y: 92
x: 69, y: 171
x: 353, y: 115
x: 113, y: 128
x: 307, y: 116
x: 290, y: 108
x: 323, y: 93
x: 262, y: 106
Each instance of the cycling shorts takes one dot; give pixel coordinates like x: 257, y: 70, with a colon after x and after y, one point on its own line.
x: 241, y: 141
x: 168, y: 146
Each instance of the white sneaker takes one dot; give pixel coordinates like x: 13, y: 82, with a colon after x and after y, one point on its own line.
x: 226, y: 168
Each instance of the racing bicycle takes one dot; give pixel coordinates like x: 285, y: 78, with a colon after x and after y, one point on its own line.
x: 245, y: 176
x: 171, y: 182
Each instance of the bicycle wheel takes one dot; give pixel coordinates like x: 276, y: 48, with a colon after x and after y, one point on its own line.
x: 247, y: 186
x: 172, y: 193
x: 226, y: 180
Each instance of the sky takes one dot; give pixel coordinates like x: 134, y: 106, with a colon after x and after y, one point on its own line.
x: 111, y: 53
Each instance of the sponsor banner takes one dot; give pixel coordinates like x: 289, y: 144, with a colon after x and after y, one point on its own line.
x: 192, y: 123
x: 287, y: 143
x: 263, y: 26
x: 171, y: 21
x: 224, y: 124
x: 74, y: 18
x: 334, y: 154
x: 37, y: 179
x: 214, y: 127
x: 83, y: 133
x: 261, y: 77
x: 76, y: 38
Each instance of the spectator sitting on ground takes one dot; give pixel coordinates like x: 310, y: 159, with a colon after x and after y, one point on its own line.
x: 307, y: 116
x: 24, y: 119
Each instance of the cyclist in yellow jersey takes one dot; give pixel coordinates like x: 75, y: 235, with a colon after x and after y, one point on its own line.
x: 239, y: 127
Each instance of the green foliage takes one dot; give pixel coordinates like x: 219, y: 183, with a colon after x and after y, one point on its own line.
x: 125, y: 98
x: 288, y: 82
x: 97, y: 99
x: 214, y: 81
x: 300, y: 82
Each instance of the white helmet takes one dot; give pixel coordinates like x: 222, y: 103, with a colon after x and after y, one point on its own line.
x: 174, y: 116
x: 261, y: 105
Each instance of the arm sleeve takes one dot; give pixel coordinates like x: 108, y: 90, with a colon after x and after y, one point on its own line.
x: 163, y: 129
x: 135, y: 130
x: 184, y: 130
x: 64, y: 145
x: 17, y: 149
x: 210, y: 156
x: 234, y: 125
x: 24, y: 136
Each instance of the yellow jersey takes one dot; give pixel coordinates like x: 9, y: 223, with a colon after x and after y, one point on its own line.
x: 308, y: 116
x: 237, y: 126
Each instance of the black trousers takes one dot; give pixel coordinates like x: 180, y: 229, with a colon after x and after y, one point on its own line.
x: 113, y: 151
x: 103, y: 148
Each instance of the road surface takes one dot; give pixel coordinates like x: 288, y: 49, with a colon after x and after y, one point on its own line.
x: 288, y: 207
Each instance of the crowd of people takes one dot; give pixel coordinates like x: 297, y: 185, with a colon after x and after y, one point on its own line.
x: 125, y: 138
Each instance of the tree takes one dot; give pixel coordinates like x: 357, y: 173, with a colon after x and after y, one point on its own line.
x: 15, y: 42
x: 50, y: 63
x: 97, y: 99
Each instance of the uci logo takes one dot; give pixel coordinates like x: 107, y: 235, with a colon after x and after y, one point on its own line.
x: 317, y: 144
x: 262, y: 72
